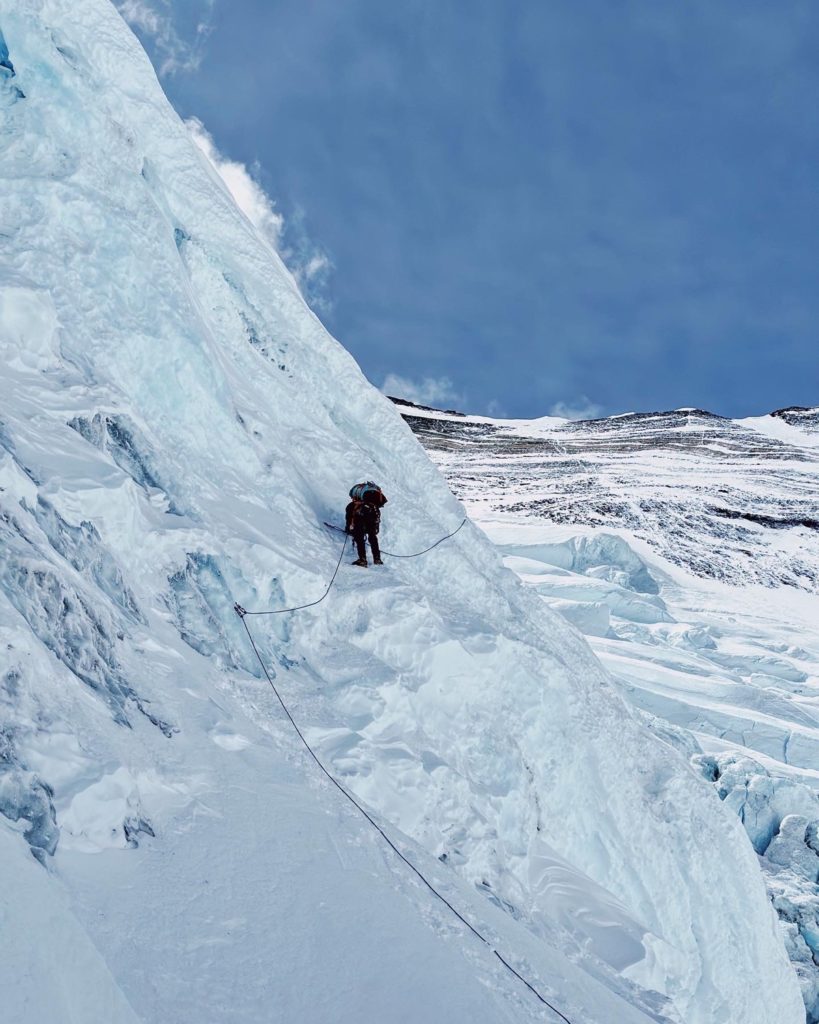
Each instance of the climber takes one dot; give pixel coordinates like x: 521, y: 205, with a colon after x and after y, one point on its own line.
x: 364, y: 518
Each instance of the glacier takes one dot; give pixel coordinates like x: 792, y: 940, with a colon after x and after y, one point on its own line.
x: 682, y: 545
x: 176, y: 425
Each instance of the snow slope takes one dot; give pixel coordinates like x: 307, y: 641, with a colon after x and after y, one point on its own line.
x: 176, y: 424
x: 799, y: 427
x: 623, y: 526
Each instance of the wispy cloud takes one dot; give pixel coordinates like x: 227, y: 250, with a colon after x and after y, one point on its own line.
x: 155, y: 19
x: 580, y: 409
x: 308, y: 262
x: 249, y: 195
x: 436, y: 391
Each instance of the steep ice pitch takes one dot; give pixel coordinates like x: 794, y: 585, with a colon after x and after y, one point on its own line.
x: 176, y: 424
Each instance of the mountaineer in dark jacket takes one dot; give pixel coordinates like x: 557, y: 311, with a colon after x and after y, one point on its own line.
x: 364, y: 518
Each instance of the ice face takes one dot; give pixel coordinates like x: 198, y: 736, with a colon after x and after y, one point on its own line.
x: 131, y: 452
x: 25, y: 797
x: 178, y: 427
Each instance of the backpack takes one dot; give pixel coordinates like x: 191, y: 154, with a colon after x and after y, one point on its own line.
x: 368, y: 492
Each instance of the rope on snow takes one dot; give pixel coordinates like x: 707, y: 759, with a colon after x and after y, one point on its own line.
x: 242, y: 613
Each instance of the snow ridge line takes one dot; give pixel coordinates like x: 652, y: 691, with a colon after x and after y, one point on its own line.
x: 366, y: 814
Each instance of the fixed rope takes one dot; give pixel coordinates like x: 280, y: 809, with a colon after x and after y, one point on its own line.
x: 311, y: 604
x: 392, y: 554
x: 242, y: 613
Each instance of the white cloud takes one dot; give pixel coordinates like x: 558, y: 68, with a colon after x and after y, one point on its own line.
x: 308, y: 263
x: 580, y: 409
x: 433, y: 391
x: 250, y: 197
x: 155, y: 19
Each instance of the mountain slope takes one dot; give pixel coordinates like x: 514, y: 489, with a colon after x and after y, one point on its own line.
x: 707, y: 620
x: 687, y: 482
x: 176, y: 425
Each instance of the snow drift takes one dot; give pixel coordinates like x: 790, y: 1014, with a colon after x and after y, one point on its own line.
x: 176, y: 424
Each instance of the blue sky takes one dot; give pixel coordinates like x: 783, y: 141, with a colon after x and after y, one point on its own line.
x: 532, y: 206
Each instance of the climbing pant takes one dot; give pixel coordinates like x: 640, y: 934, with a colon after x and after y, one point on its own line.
x: 366, y: 528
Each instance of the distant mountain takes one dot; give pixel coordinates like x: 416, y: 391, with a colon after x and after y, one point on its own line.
x: 721, y: 498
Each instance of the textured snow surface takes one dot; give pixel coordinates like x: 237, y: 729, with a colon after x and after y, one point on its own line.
x: 729, y: 672
x: 176, y: 424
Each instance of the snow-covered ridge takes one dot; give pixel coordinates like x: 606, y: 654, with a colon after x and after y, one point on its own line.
x: 799, y: 427
x: 800, y: 416
x: 176, y: 425
x: 728, y: 660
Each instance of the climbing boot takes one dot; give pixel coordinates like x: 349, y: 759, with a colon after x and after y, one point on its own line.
x: 377, y: 561
x: 360, y: 561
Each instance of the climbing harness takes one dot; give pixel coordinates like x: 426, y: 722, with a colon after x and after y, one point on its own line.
x: 243, y: 613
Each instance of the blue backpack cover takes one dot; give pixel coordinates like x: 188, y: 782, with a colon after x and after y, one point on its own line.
x: 358, y: 492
